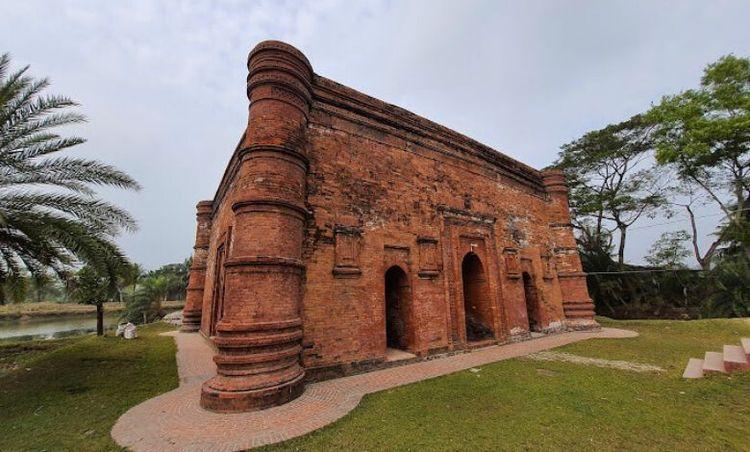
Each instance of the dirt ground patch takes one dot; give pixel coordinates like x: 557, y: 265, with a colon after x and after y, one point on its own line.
x: 613, y: 364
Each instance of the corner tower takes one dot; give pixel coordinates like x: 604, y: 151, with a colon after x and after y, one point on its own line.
x: 191, y: 313
x: 577, y: 305
x: 260, y: 332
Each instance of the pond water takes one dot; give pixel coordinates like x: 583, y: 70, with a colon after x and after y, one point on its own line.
x: 53, y: 327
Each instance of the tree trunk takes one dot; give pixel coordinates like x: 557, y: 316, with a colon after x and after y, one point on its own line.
x: 621, y: 248
x: 705, y: 260
x: 99, y: 319
x: 694, y: 239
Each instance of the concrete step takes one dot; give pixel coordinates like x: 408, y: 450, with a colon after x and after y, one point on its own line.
x: 735, y: 359
x: 694, y: 369
x: 746, y: 345
x: 714, y: 362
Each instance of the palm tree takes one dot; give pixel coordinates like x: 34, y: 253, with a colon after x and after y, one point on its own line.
x: 145, y: 303
x: 50, y: 217
x: 128, y: 278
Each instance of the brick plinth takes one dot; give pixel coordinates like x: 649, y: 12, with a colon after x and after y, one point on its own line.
x: 192, y: 312
x: 259, y: 334
x: 259, y: 366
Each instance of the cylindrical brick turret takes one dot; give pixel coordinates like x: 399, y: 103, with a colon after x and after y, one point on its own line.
x: 191, y: 313
x: 260, y: 333
x: 577, y: 305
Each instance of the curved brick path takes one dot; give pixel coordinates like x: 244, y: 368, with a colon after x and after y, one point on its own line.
x: 175, y: 421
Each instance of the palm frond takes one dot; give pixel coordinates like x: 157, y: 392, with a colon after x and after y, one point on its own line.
x: 50, y: 217
x: 13, y: 136
x: 99, y: 215
x: 22, y: 94
x: 86, y: 171
x: 4, y: 63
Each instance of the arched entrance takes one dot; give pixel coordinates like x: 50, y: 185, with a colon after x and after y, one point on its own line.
x: 532, y: 302
x: 477, y: 301
x: 397, y: 305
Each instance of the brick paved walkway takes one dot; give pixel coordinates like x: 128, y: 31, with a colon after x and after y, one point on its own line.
x: 175, y: 421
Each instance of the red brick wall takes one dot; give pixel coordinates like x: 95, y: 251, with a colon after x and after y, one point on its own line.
x: 395, y: 188
x: 377, y: 186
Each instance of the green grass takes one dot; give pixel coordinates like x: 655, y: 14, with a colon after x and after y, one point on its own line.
x: 668, y: 344
x: 522, y: 404
x: 15, y: 354
x: 75, y: 389
x: 67, y: 394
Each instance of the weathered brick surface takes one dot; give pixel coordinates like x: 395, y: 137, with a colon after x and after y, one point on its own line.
x: 330, y: 188
x: 192, y: 312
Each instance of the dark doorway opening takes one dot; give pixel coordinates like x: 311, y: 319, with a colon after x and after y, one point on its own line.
x: 532, y: 303
x: 477, y: 302
x: 397, y: 304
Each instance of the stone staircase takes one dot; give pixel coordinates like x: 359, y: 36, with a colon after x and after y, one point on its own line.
x: 734, y: 358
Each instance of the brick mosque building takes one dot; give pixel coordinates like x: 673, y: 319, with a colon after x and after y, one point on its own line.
x: 347, y: 233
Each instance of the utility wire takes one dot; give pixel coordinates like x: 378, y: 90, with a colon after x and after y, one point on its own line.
x: 685, y: 219
x: 648, y: 271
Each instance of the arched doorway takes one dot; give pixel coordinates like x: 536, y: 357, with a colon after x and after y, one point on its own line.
x: 397, y: 305
x: 477, y: 302
x: 532, y: 302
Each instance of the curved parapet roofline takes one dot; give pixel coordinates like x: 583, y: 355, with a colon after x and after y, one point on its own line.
x: 293, y: 72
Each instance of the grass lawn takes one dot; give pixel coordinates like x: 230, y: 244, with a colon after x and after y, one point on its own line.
x: 67, y: 394
x: 522, y: 404
x: 76, y: 389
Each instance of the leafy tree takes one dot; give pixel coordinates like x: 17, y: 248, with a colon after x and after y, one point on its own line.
x: 704, y: 134
x: 46, y: 286
x: 699, y: 139
x: 128, y: 276
x: 131, y: 274
x: 692, y: 199
x: 139, y: 307
x: 669, y: 250
x: 168, y: 282
x: 731, y: 295
x: 144, y: 304
x: 50, y: 217
x: 595, y: 249
x: 612, y: 183
x: 16, y: 288
x: 91, y: 287
x: 176, y: 278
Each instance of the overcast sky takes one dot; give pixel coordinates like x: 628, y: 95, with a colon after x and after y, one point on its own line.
x: 162, y: 82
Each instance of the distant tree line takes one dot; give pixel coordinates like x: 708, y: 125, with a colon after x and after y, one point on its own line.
x: 142, y: 291
x: 146, y: 294
x: 687, y: 153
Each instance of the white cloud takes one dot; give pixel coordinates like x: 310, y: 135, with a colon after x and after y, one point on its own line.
x: 163, y: 82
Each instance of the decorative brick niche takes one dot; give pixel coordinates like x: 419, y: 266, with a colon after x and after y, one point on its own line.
x: 348, y: 244
x: 429, y: 266
x: 548, y: 265
x: 512, y: 263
